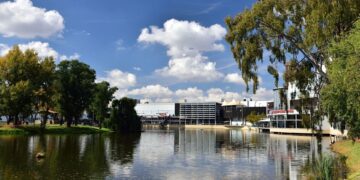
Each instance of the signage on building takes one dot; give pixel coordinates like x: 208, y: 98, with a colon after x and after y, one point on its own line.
x: 281, y: 111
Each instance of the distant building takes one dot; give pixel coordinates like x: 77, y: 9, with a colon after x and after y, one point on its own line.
x: 235, y: 112
x: 280, y: 117
x: 155, y: 109
x: 200, y: 113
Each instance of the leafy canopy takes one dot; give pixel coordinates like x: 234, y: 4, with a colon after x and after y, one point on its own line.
x: 294, y: 31
x: 123, y: 115
x: 76, y: 81
x: 341, y: 97
x: 102, y: 96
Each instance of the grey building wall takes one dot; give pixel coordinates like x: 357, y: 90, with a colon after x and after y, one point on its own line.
x: 200, y: 113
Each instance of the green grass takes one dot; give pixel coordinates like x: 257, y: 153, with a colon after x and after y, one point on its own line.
x: 52, y: 129
x: 12, y: 131
x: 352, y: 152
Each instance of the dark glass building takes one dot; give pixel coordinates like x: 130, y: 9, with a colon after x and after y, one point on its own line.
x: 200, y: 113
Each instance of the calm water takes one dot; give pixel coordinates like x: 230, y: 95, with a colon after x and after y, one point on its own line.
x: 158, y: 154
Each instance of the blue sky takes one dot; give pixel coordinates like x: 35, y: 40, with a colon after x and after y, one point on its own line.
x: 188, y: 59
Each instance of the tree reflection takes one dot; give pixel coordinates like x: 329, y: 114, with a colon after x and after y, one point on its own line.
x: 122, y: 147
x: 66, y: 156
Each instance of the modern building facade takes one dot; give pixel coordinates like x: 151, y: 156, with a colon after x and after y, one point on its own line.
x: 280, y: 117
x: 200, y: 113
x: 235, y: 112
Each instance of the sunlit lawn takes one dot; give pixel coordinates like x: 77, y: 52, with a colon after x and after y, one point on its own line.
x: 352, y: 152
x: 52, y: 129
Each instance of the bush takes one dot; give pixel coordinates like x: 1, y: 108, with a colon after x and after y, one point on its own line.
x: 327, y: 167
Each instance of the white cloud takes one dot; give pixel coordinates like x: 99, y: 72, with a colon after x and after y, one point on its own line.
x: 119, y: 79
x: 191, y: 69
x: 71, y: 57
x: 186, y: 41
x: 261, y: 94
x: 234, y: 78
x: 137, y: 68
x: 42, y: 48
x: 21, y: 19
x: 191, y: 94
x: 4, y: 49
x: 152, y: 92
x: 159, y: 93
x: 217, y: 94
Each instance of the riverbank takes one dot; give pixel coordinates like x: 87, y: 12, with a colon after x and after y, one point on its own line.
x: 204, y: 126
x: 51, y: 129
x: 352, y: 152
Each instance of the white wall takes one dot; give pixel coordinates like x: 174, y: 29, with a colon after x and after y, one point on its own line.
x: 154, y: 109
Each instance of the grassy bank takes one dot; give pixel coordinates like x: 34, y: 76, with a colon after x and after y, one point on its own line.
x: 352, y: 152
x: 51, y: 129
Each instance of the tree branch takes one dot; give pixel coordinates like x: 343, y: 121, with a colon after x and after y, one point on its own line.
x: 292, y: 41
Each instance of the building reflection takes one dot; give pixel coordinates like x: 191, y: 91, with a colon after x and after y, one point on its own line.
x: 159, y: 154
x: 282, y: 154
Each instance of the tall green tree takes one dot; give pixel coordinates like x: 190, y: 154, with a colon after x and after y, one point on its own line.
x: 123, y: 116
x: 102, y: 97
x: 46, y: 92
x: 19, y: 78
x: 75, y: 81
x: 294, y: 34
x: 293, y: 31
x: 341, y: 97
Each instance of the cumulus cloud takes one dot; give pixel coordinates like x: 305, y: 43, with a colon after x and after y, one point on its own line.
x: 159, y: 93
x: 71, y: 57
x: 217, y: 94
x: 191, y: 69
x: 42, y: 48
x: 119, y: 79
x: 152, y: 92
x: 186, y: 41
x: 191, y: 94
x: 234, y: 78
x: 262, y: 94
x: 21, y: 19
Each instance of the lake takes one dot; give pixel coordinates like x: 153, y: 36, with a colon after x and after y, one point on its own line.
x: 172, y: 153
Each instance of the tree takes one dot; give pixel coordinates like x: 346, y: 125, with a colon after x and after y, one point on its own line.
x: 341, y: 97
x: 295, y: 34
x: 254, y: 118
x: 19, y: 75
x: 102, y: 96
x: 123, y: 116
x: 46, y: 93
x: 75, y: 81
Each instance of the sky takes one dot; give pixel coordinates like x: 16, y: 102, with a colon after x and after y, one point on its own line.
x: 158, y: 50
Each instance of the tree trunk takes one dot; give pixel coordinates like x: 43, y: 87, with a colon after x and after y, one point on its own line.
x: 16, y: 122
x: 100, y: 124
x: 76, y: 121
x: 68, y: 121
x: 44, y: 121
x: 8, y: 120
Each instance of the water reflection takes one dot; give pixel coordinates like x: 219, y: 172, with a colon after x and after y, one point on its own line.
x: 158, y: 154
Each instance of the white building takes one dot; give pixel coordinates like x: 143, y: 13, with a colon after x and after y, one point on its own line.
x: 155, y: 109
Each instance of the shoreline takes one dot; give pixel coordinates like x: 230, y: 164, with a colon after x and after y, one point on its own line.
x: 52, y: 129
x: 352, y: 152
